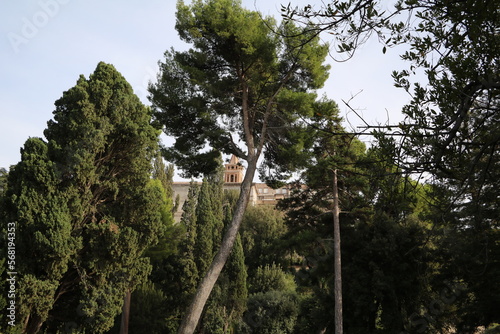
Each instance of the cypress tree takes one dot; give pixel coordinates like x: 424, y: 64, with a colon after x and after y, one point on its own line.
x: 205, y: 225
x: 228, y: 300
x: 178, y: 275
x: 189, y: 221
x: 209, y: 216
x: 44, y: 242
x: 85, y: 207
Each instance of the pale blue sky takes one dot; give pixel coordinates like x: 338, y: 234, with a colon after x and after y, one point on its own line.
x: 46, y: 44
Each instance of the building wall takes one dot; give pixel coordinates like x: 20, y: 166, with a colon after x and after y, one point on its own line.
x: 260, y: 194
x: 181, y: 189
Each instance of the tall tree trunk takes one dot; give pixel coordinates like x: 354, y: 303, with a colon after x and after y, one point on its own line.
x: 337, y: 258
x: 193, y: 313
x: 125, y: 312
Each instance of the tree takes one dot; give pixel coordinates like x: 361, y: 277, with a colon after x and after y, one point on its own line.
x: 240, y: 78
x: 209, y: 220
x: 175, y: 272
x: 273, y: 305
x: 168, y: 243
x: 271, y: 277
x: 85, y: 207
x: 337, y: 257
x: 148, y: 309
x: 451, y: 132
x: 214, y: 211
x: 3, y: 180
x: 329, y: 153
x: 189, y: 220
x: 379, y: 222
x: 167, y: 246
x: 166, y: 175
x: 261, y: 228
x: 451, y: 129
x: 42, y: 227
x: 227, y: 302
x: 5, y: 236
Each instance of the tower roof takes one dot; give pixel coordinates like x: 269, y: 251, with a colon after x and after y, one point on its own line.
x: 234, y: 160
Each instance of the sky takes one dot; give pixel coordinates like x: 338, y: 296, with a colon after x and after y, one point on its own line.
x: 47, y: 44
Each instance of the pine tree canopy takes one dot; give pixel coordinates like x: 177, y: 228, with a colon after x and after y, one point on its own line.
x: 245, y: 81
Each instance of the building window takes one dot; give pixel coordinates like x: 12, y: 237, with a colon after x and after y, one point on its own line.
x: 266, y: 190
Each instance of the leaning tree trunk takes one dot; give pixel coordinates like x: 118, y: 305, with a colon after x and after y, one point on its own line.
x: 192, y: 316
x: 125, y: 312
x: 337, y: 258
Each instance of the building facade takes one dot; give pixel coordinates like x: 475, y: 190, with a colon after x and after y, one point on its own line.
x: 234, y: 172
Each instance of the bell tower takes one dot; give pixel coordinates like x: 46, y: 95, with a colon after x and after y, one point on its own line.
x: 233, y: 172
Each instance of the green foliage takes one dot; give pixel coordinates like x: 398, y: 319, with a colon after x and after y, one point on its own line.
x: 149, y: 305
x: 268, y: 278
x: 148, y: 310
x: 188, y: 218
x: 385, y: 257
x: 450, y: 134
x: 4, y: 236
x: 239, y: 78
x: 262, y: 226
x: 273, y: 304
x: 167, y: 243
x: 228, y: 299
x: 236, y: 288
x: 84, y: 206
x: 187, y: 258
x: 208, y: 220
x: 272, y: 312
x: 165, y: 174
x: 3, y: 180
x: 44, y: 244
x: 175, y: 273
x: 232, y: 284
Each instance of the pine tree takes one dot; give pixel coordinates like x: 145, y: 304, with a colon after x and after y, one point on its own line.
x: 240, y: 78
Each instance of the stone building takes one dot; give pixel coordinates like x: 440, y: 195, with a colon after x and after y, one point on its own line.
x: 234, y: 172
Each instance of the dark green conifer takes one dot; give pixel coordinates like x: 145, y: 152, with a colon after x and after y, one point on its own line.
x: 85, y: 207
